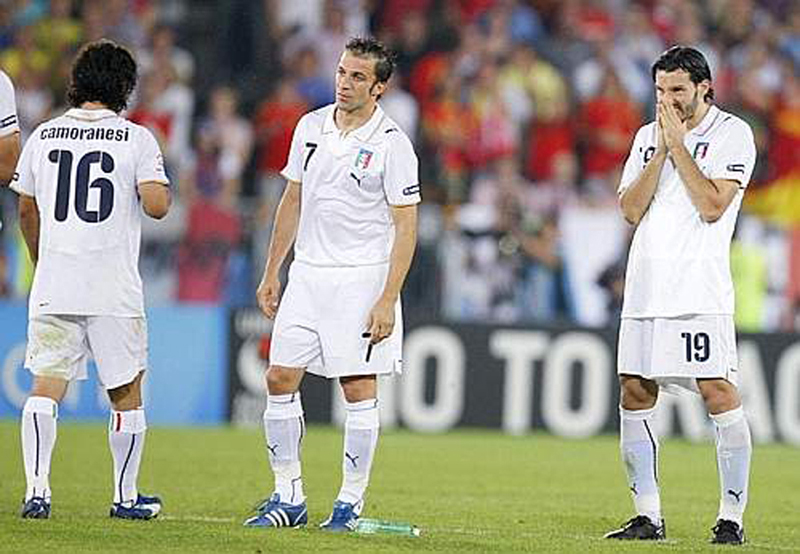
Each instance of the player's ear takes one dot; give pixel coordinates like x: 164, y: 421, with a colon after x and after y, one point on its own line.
x: 378, y: 89
x: 703, y: 87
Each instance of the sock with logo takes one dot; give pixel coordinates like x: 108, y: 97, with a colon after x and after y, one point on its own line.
x: 126, y: 433
x: 734, y: 449
x: 639, y: 446
x: 361, y: 429
x: 38, y: 431
x: 284, y: 428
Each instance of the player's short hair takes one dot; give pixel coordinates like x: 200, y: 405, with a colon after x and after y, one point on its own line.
x: 103, y: 72
x: 689, y: 59
x: 373, y: 48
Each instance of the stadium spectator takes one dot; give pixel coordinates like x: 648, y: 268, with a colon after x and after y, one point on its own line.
x: 607, y: 122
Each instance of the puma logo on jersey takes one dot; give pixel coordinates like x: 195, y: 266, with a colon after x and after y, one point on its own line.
x: 736, y: 495
x: 356, y: 179
x: 273, y: 449
x: 352, y: 458
x: 633, y: 489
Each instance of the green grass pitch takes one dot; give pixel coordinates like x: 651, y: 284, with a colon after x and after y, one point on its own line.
x: 469, y: 491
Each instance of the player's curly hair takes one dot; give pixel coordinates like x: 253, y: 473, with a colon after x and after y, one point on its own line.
x: 373, y: 48
x: 103, y: 72
x: 688, y: 59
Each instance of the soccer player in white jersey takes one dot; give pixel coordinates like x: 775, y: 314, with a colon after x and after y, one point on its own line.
x: 682, y: 187
x: 9, y: 130
x: 83, y: 180
x: 349, y: 207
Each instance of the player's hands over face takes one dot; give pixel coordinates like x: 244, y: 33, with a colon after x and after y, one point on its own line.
x: 380, y: 322
x: 268, y: 295
x: 672, y: 128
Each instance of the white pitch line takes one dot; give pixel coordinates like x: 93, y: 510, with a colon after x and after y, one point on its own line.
x: 202, y: 519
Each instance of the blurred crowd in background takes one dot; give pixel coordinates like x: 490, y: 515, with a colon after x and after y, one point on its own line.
x: 522, y: 114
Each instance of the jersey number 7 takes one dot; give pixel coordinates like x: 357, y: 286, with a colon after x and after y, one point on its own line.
x: 82, y: 185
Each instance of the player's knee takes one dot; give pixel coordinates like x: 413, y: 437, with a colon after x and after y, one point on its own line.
x: 719, y: 395
x: 49, y: 387
x: 358, y: 388
x: 281, y: 380
x: 637, y: 393
x: 127, y: 396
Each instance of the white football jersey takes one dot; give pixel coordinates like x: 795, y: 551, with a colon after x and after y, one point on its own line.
x: 678, y: 263
x: 348, y: 184
x: 8, y: 107
x: 83, y: 169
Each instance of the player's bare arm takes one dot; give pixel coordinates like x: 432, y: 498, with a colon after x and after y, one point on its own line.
x: 156, y: 199
x: 29, y: 224
x: 635, y: 199
x: 284, y: 232
x: 9, y: 153
x: 711, y: 197
x: 381, y: 319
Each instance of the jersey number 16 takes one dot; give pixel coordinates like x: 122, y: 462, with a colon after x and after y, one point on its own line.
x: 82, y: 185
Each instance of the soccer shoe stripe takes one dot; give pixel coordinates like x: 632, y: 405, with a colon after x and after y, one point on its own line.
x: 284, y: 516
x: 271, y: 516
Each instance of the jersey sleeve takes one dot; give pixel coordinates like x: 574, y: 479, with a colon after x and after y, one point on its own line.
x: 401, y: 174
x: 8, y: 108
x: 635, y: 162
x: 24, y: 179
x: 294, y: 165
x: 150, y: 163
x: 736, y: 157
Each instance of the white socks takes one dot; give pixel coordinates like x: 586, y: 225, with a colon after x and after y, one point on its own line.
x: 639, y: 446
x: 361, y: 430
x: 38, y: 430
x: 284, y: 428
x: 734, y: 448
x: 126, y: 432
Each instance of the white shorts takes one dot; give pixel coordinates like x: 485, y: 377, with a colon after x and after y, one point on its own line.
x: 321, y: 319
x: 675, y: 352
x: 60, y: 346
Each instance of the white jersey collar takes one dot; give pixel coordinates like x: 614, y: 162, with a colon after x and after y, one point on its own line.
x: 707, y: 122
x: 364, y: 132
x: 90, y: 115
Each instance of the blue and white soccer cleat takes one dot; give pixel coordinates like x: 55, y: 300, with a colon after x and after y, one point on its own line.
x: 344, y: 517
x: 36, y: 508
x: 146, y: 507
x: 274, y: 513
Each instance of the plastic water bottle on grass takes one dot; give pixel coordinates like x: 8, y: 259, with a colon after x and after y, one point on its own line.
x: 376, y: 526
